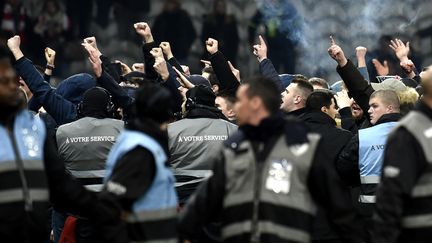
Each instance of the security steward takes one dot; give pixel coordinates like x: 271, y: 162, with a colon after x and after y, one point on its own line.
x: 84, y: 146
x: 196, y: 136
x: 404, y: 198
x: 31, y: 172
x: 139, y: 185
x: 267, y: 178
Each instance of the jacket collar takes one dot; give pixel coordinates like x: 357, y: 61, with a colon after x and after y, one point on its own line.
x: 318, y: 117
x: 391, y: 117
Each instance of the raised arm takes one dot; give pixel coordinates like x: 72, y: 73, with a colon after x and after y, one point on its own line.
x: 228, y: 81
x: 266, y: 67
x: 62, y: 110
x: 357, y: 86
x: 143, y: 30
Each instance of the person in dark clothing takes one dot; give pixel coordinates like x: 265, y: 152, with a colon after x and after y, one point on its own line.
x: 223, y: 27
x: 360, y: 162
x: 31, y: 171
x: 295, y: 95
x: 228, y: 82
x: 175, y: 26
x: 403, y: 206
x: 360, y: 89
x: 321, y: 109
x: 259, y: 171
x: 61, y: 107
x: 193, y: 138
x: 85, y: 159
x: 139, y: 186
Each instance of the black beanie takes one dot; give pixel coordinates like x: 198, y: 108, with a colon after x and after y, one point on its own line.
x: 201, y: 95
x: 96, y: 102
x: 153, y: 102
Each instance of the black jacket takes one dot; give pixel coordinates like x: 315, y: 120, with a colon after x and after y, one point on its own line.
x: 333, y: 140
x: 348, y: 161
x: 135, y: 171
x: 403, y: 153
x: 228, y: 82
x: 322, y: 181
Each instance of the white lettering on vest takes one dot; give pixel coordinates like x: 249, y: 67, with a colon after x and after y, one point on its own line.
x: 202, y: 138
x: 90, y: 139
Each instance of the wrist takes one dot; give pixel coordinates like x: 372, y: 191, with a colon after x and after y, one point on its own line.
x: 212, y: 52
x: 148, y: 38
x: 404, y: 59
x: 169, y: 56
x: 164, y: 75
x: 342, y: 62
x: 50, y: 66
x: 260, y: 59
x: 17, y: 53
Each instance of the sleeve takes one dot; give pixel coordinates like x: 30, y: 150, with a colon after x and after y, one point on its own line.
x: 135, y: 172
x: 267, y: 70
x: 172, y: 85
x: 334, y: 196
x: 403, y: 155
x: 149, y: 60
x: 62, y: 110
x: 348, y: 122
x: 347, y: 164
x: 357, y: 86
x: 364, y: 72
x: 205, y: 204
x: 173, y: 62
x: 228, y: 82
x: 120, y: 96
x: 111, y: 68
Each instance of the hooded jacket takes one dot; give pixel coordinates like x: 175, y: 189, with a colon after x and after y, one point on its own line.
x: 60, y: 103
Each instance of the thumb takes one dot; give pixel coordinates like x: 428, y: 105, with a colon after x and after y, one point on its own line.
x: 408, y: 45
x: 230, y: 65
x: 385, y: 64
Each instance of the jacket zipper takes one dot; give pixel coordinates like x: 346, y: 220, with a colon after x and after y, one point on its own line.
x: 255, y: 234
x: 20, y: 164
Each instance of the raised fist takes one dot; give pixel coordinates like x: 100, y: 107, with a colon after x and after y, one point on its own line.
x: 166, y: 49
x: 50, y: 55
x: 212, y: 45
x: 14, y: 43
x: 143, y: 29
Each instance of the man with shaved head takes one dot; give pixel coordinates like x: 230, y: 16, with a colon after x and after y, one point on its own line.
x: 360, y: 162
x: 404, y: 198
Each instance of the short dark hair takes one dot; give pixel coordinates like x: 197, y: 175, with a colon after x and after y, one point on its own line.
x: 231, y: 99
x: 318, y: 99
x: 212, y: 76
x: 320, y: 82
x: 267, y: 90
x: 304, y: 86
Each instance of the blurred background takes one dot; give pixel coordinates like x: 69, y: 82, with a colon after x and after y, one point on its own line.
x: 296, y: 31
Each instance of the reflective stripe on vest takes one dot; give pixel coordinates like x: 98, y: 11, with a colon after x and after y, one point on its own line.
x: 28, y: 165
x: 157, y: 241
x: 420, y: 126
x: 16, y: 195
x: 367, y: 198
x: 84, y: 145
x: 373, y: 179
x: 266, y: 227
x: 419, y: 221
x: 148, y: 216
x: 240, y: 171
x: 28, y: 140
x: 372, y: 142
